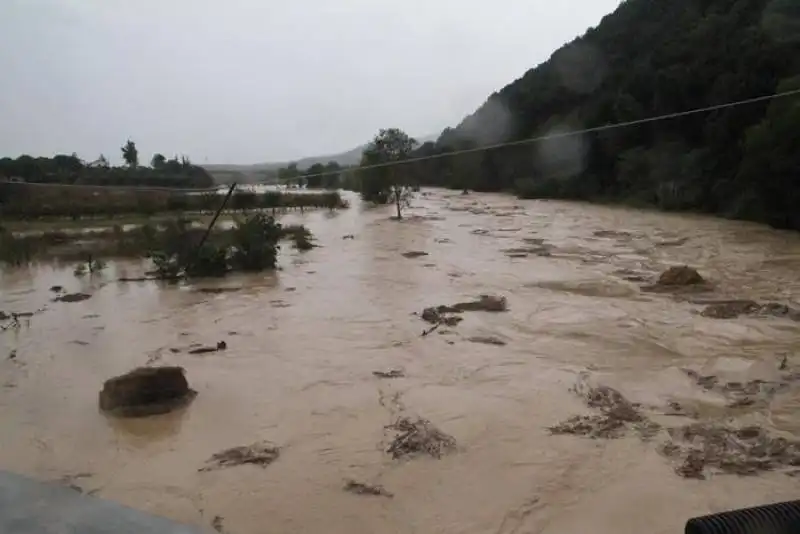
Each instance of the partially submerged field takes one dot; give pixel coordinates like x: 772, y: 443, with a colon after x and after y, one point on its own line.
x: 37, y: 201
x: 580, y: 402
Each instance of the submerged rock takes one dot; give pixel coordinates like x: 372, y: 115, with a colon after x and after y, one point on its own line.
x: 146, y: 391
x: 72, y: 297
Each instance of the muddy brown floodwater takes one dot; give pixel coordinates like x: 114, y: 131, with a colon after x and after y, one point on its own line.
x: 303, y: 344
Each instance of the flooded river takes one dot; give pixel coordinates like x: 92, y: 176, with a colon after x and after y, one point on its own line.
x: 303, y: 344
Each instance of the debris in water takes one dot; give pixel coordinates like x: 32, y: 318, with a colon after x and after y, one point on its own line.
x: 743, y: 393
x: 392, y: 373
x: 487, y: 340
x: 12, y: 354
x: 618, y: 414
x: 146, y: 391
x: 420, y: 436
x: 488, y: 303
x: 593, y: 426
x: 72, y: 297
x: 261, y: 454
x: 414, y: 254
x: 57, y: 289
x: 348, y: 236
x: 217, y: 524
x: 728, y: 450
x: 221, y: 345
x: 731, y: 309
x: 441, y: 314
x: 612, y: 233
x: 360, y: 488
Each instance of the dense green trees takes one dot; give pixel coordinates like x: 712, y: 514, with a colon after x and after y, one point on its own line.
x: 70, y: 169
x: 648, y: 58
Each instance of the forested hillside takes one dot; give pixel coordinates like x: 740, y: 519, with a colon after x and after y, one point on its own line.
x: 649, y: 58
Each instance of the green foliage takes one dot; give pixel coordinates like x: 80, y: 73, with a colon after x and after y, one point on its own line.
x: 255, y: 243
x: 699, y: 53
x: 388, y: 182
x: 158, y: 161
x: 130, y: 154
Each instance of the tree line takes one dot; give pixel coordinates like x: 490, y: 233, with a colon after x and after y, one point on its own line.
x: 316, y: 176
x: 741, y: 161
x: 176, y: 172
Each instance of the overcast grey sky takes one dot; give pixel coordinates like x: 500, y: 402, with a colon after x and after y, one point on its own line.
x: 245, y: 81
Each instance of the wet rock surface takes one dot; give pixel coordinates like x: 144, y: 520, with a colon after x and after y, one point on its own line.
x: 679, y: 279
x: 146, y: 391
x: 418, y: 436
x: 261, y: 453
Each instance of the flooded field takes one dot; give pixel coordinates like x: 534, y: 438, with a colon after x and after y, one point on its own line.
x: 303, y: 347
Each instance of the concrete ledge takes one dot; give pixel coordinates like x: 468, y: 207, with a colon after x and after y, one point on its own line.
x: 28, y: 506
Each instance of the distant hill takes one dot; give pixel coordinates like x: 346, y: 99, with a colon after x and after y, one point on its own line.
x: 242, y: 172
x: 649, y: 58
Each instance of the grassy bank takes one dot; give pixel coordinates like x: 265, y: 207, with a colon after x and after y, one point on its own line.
x: 22, y: 201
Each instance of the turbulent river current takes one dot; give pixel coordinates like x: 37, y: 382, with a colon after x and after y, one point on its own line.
x: 303, y: 344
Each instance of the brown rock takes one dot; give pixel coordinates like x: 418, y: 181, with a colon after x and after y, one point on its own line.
x: 146, y: 391
x: 680, y: 276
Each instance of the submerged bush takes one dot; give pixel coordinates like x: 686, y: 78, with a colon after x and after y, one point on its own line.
x: 255, y: 243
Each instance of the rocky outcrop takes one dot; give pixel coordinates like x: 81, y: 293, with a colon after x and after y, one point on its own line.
x: 146, y: 391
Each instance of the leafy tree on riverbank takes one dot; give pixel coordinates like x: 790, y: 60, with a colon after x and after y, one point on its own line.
x: 734, y: 161
x: 389, y: 181
x: 130, y: 154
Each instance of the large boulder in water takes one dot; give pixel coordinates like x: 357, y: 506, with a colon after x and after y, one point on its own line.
x: 146, y: 391
x: 682, y: 275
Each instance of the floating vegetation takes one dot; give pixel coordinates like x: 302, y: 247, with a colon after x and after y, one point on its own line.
x: 419, y: 436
